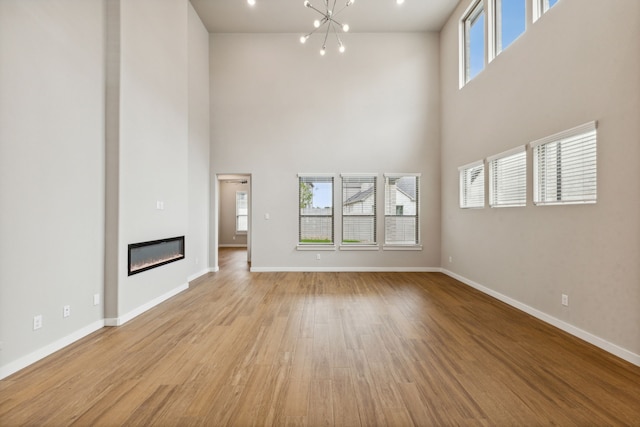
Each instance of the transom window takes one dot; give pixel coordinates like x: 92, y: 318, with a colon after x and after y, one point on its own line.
x: 564, y: 167
x: 402, y: 209
x: 511, y: 21
x: 473, y: 28
x: 315, y: 209
x: 358, y: 209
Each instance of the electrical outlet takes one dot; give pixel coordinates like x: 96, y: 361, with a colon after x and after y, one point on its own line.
x: 37, y: 322
x: 96, y: 299
x: 450, y: 259
x: 565, y: 300
x: 66, y: 311
x: 318, y: 257
x: 197, y: 260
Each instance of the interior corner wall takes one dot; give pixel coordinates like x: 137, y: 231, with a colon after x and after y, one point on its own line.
x: 52, y: 188
x: 579, y: 62
x: 197, y: 241
x: 278, y: 108
x: 153, y: 143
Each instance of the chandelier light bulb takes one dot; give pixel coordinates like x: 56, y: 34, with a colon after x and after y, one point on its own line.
x: 307, y: 3
x: 323, y: 51
x: 350, y: 2
x: 345, y: 28
x: 251, y: 2
x: 341, y: 48
x: 303, y: 39
x: 399, y: 1
x: 316, y: 23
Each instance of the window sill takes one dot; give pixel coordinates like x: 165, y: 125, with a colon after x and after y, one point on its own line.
x: 359, y: 247
x: 316, y: 247
x: 402, y: 247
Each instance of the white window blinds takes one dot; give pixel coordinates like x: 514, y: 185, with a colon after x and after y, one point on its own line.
x: 508, y: 178
x: 472, y: 185
x: 564, y: 167
x: 358, y: 209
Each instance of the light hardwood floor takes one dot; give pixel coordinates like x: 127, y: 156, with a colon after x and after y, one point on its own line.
x: 316, y: 349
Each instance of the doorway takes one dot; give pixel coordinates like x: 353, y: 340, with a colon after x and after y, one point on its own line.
x: 234, y: 212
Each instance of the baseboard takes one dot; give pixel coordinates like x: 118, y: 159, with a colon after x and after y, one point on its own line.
x: 48, y: 350
x: 605, y: 345
x: 118, y: 321
x: 232, y: 246
x: 214, y: 269
x: 346, y: 269
x: 198, y: 274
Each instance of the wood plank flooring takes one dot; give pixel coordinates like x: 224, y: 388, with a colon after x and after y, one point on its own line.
x: 324, y: 349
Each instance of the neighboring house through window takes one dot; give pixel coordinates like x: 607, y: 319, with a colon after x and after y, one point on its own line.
x: 358, y: 209
x: 402, y: 207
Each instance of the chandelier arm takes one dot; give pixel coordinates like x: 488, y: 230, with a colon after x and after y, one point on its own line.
x: 337, y: 36
x: 343, y: 8
x: 326, y: 36
x: 317, y: 10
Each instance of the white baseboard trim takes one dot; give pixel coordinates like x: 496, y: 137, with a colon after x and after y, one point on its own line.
x: 346, y: 269
x: 214, y: 269
x: 47, y: 350
x: 118, y: 321
x: 605, y: 345
x: 232, y: 246
x: 198, y: 274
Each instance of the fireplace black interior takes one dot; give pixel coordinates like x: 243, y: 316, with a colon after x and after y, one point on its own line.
x: 147, y: 255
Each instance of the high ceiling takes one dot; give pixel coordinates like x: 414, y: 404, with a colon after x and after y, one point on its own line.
x: 290, y: 16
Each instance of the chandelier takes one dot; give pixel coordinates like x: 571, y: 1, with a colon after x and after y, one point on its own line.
x: 327, y: 22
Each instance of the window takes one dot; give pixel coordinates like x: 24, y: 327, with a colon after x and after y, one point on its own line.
x: 315, y: 209
x: 510, y: 22
x: 472, y: 185
x: 473, y: 24
x: 508, y: 178
x: 564, y: 167
x: 358, y: 209
x: 401, y: 209
x: 242, y: 211
x: 541, y: 6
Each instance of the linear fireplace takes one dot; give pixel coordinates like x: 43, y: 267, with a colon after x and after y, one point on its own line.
x: 147, y: 255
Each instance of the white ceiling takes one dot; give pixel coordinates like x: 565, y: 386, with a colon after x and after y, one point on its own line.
x: 290, y: 16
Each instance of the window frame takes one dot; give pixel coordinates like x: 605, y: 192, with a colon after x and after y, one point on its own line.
x: 540, y: 7
x: 495, y: 28
x: 363, y: 178
x: 471, y: 14
x: 565, y: 138
x: 417, y: 243
x: 321, y: 177
x: 493, y: 179
x: 464, y: 188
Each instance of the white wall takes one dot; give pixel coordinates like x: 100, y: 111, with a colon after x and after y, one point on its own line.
x: 154, y: 136
x: 578, y: 63
x: 51, y: 173
x: 278, y: 108
x: 197, y: 241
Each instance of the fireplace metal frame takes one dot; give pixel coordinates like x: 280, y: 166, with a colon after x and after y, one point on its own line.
x: 151, y: 243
